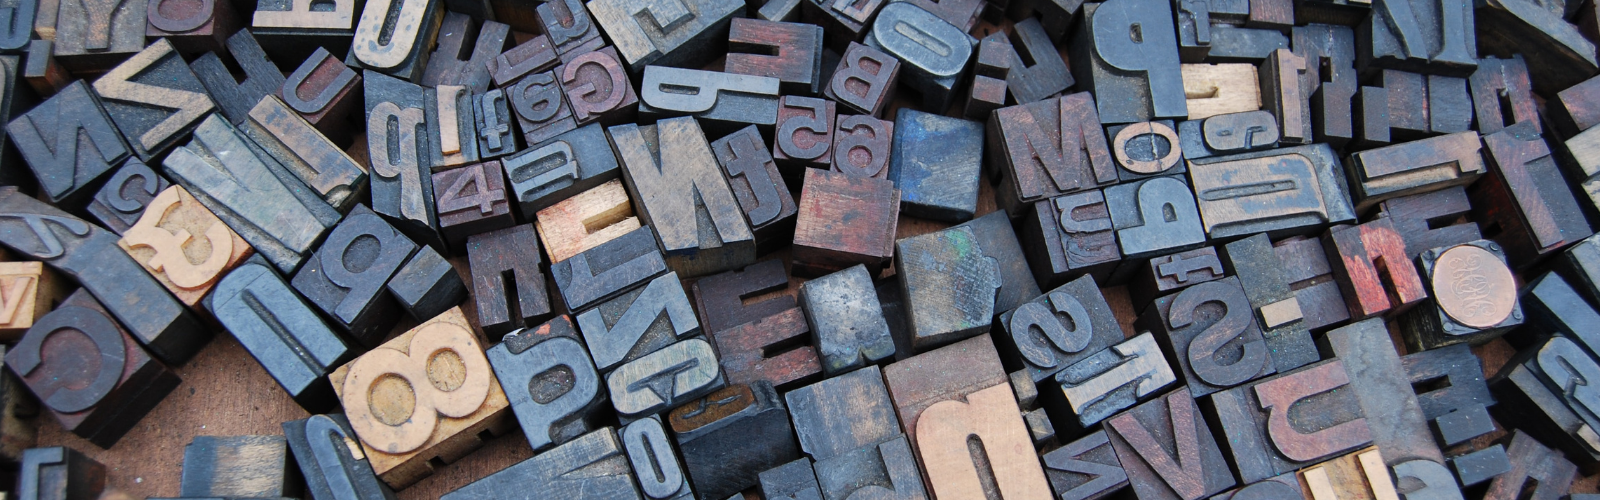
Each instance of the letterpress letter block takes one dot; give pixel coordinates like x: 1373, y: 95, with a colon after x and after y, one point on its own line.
x: 934, y: 53
x: 1058, y: 329
x: 1550, y: 473
x: 320, y: 90
x: 760, y: 189
x: 15, y: 37
x: 945, y: 433
x: 1169, y: 273
x: 281, y: 331
x: 1378, y: 379
x: 505, y: 265
x: 571, y: 163
x: 1112, y: 380
x: 590, y: 465
x: 1154, y: 216
x: 1282, y: 191
x: 791, y: 481
x: 628, y: 327
x: 1145, y: 149
x: 355, y: 299
x: 492, y: 117
x: 655, y: 461
x: 471, y: 200
x: 1306, y: 266
x: 183, y: 245
x: 1194, y: 466
x: 28, y: 291
x: 394, y: 37
x: 397, y: 141
x: 1435, y: 36
x: 1502, y: 94
x: 446, y: 67
x: 844, y: 21
x: 570, y: 28
x: 322, y: 448
x: 1359, y: 255
x: 1457, y: 404
x: 950, y: 284
x: 1209, y: 329
x: 843, y: 221
x: 598, y: 88
x: 671, y: 173
x: 1127, y: 55
x: 936, y: 162
x: 43, y: 73
x: 1331, y: 51
x: 1433, y: 219
x: 724, y: 102
x: 1228, y: 134
x: 586, y: 220
x: 305, y: 152
x: 555, y: 390
x: 452, y: 140
x: 804, y: 135
x: 918, y: 383
x: 602, y: 272
x: 1356, y: 476
x: 1220, y: 89
x: 153, y: 98
x: 1559, y: 54
x: 427, y: 285
x: 68, y: 142
x: 665, y: 379
x: 59, y: 473
x: 1284, y: 423
x: 732, y: 434
x: 762, y: 340
x: 1474, y: 298
x: 93, y: 36
x: 989, y: 86
x: 865, y: 78
x: 122, y: 200
x: 1279, y: 310
x: 541, y: 111
x: 1526, y: 198
x: 293, y: 29
x: 233, y: 98
x: 862, y: 146
x: 790, y: 52
x: 840, y: 415
x: 237, y: 466
x: 1070, y: 235
x: 1414, y: 167
x: 680, y: 33
x: 846, y: 320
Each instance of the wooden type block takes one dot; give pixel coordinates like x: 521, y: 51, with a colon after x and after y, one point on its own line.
x: 1451, y: 391
x: 863, y: 146
x: 840, y: 415
x: 887, y: 469
x: 154, y: 99
x: 681, y: 33
x: 568, y: 25
x: 1228, y: 134
x: 1135, y: 77
x: 997, y: 240
x: 1525, y: 198
x: 1433, y: 219
x: 1449, y: 105
x: 779, y: 11
x: 1374, y: 273
x: 1579, y: 159
x: 533, y: 56
x: 1048, y: 148
x: 790, y: 52
x: 506, y: 281
x: 627, y: 327
x: 1145, y: 149
x: 1414, y: 167
x: 598, y: 88
x: 1554, y: 306
x: 1330, y: 51
x: 1287, y: 422
x: 1505, y: 28
x: 1560, y: 363
x: 446, y: 66
x: 759, y: 187
x: 183, y: 245
x: 1198, y: 24
x: 590, y: 465
x: 574, y: 162
x: 394, y: 37
x: 471, y: 200
x: 1307, y: 193
x: 1086, y: 469
x: 722, y: 298
x: 1502, y: 94
x: 314, y: 159
x: 1356, y: 476
x: 936, y: 162
x: 15, y: 100
x: 355, y: 299
x: 1378, y: 379
x: 945, y: 434
x: 843, y: 221
x: 668, y: 378
x: 766, y: 340
x: 1169, y: 273
x: 1550, y: 473
x: 89, y: 255
x: 233, y: 98
x: 562, y: 399
x: 1424, y: 36
x: 1140, y: 231
x: 255, y: 304
x: 842, y: 21
x: 1142, y: 437
x: 121, y: 201
x: 1284, y: 93
x: 1473, y: 297
x: 920, y: 382
x: 963, y: 14
x: 1059, y: 329
x: 16, y: 35
x: 452, y: 140
x: 670, y: 171
x: 606, y: 270
x: 1573, y: 109
x: 791, y: 481
x: 864, y: 81
x: 294, y: 29
x: 1524, y: 398
x: 1482, y: 465
x: 731, y: 435
x: 97, y: 384
x: 654, y: 460
x: 427, y: 285
x: 846, y: 321
x: 804, y: 135
x: 542, y: 113
x: 586, y: 220
x: 324, y: 448
x: 1395, y: 111
x: 42, y: 72
x: 398, y: 142
x: 1306, y: 266
x: 492, y: 118
x: 933, y: 61
x: 1277, y: 307
x: 323, y: 90
x: 92, y: 37
x: 442, y: 425
x: 1219, y: 89
x: 59, y: 473
x: 1035, y: 69
x: 989, y: 87
x: 951, y: 286
x: 28, y: 291
x: 237, y: 466
x: 1210, y: 333
x: 1070, y: 235
x: 1110, y: 381
x: 52, y: 139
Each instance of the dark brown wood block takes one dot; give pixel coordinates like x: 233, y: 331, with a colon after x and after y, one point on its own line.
x: 51, y: 138
x: 1109, y: 381
x: 1473, y: 297
x: 505, y: 266
x: 394, y: 37
x: 731, y: 435
x: 1451, y: 390
x: 663, y: 162
x: 533, y: 56
x: 1058, y: 329
x: 192, y: 27
x: 238, y: 466
x: 321, y: 89
x: 314, y: 159
x: 562, y: 399
x: 865, y: 79
x: 843, y: 221
x: 398, y: 137
x: 154, y: 99
x: 569, y: 26
x: 1559, y: 56
x: 1287, y: 422
x: 1194, y: 467
x: 804, y: 135
x: 471, y: 200
x: 59, y: 473
x: 235, y: 98
x: 1574, y: 109
x: 598, y: 88
x: 839, y: 415
x: 1305, y: 263
x: 1048, y: 148
x: 1549, y: 473
x: 1330, y: 51
x: 1431, y: 220
x: 1502, y: 94
x: 447, y: 67
x: 1268, y: 283
x: 1373, y: 269
x: 759, y: 187
x: 1070, y: 235
x: 1211, y: 333
x: 1420, y: 36
x: 608, y: 269
x: 122, y: 200
x: 91, y: 37
x: 790, y: 52
x: 453, y: 135
x: 42, y: 72
x: 541, y: 111
x: 689, y: 37
x: 1524, y: 200
x: 1309, y: 192
x: 1169, y: 273
x: 1086, y: 469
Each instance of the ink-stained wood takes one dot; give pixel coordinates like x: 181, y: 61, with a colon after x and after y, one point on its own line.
x: 398, y: 143
x: 1134, y: 76
x: 1193, y: 468
x: 1209, y: 329
x: 650, y: 450
x: 790, y: 52
x: 1559, y: 363
x: 1168, y: 273
x: 506, y: 281
x: 154, y: 99
x: 759, y: 187
x: 1473, y: 301
x: 183, y: 245
x: 1277, y: 307
x: 670, y: 171
x: 254, y: 304
x: 920, y: 382
x: 355, y: 299
x: 42, y: 72
x: 1228, y: 134
x: 294, y: 29
x: 839, y: 415
x: 1531, y: 462
x: 1457, y: 411
x: 238, y: 466
x: 791, y: 481
x: 1140, y: 230
x: 301, y: 149
x: 888, y: 467
x: 1283, y: 93
x: 1421, y: 36
x: 1218, y: 89
x: 1330, y: 50
x: 1048, y: 148
x: 1576, y: 108
x: 1413, y: 167
x: 863, y: 146
x: 1399, y: 428
x: 1086, y: 469
x: 394, y: 37
x: 532, y: 56
x: 1145, y: 149
x: 396, y: 399
x: 721, y: 298
x: 1070, y: 234
x: 991, y: 66
x: 446, y: 65
x: 1431, y: 220
x: 1424, y: 479
x: 1525, y: 197
x: 804, y: 136
x: 933, y: 53
x: 91, y: 36
x: 598, y: 88
x: 1525, y: 399
x: 1482, y: 465
x: 765, y: 340
x: 602, y: 272
x: 998, y: 240
x: 1357, y: 476
x: 843, y: 21
x: 592, y: 464
x: 1306, y: 264
x: 28, y: 291
x: 554, y: 388
x: 963, y: 14
x: 121, y: 201
x: 453, y: 138
x: 1370, y: 289
x: 950, y: 286
x: 626, y: 328
x: 427, y: 285
x: 59, y: 473
x: 586, y: 220
x: 865, y: 78
x: 541, y: 111
x: 1287, y: 422
x: 51, y: 138
x: 234, y: 98
x: 572, y: 163
x: 669, y: 378
x: 730, y: 436
x: 936, y: 161
x: 680, y: 33
x: 492, y: 118
x: 1293, y: 190
x: 98, y: 383
x: 846, y: 320
x: 1035, y: 69
x: 1559, y: 56
x: 471, y: 200
x: 1110, y: 381
x: 321, y: 89
x: 568, y: 24
x: 16, y: 35
x: 324, y: 449
x: 1502, y: 94
x: 1056, y: 330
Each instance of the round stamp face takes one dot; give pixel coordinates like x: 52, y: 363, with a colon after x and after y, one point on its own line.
x: 1474, y: 286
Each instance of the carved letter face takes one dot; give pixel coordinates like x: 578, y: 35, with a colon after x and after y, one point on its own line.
x: 186, y: 247
x: 371, y: 382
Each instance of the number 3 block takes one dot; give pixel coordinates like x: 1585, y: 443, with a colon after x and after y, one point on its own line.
x: 426, y: 394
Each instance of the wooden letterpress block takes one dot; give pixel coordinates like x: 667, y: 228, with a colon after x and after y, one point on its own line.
x: 1359, y: 254
x: 580, y: 161
x: 471, y: 200
x: 43, y: 73
x: 1154, y: 216
x: 1431, y: 220
x: 586, y: 220
x: 843, y: 21
x: 1047, y: 148
x: 1228, y: 134
x: 840, y: 415
x: 1356, y: 476
x: 443, y: 425
x: 1431, y: 36
x: 888, y: 465
x: 607, y: 269
x: 862, y: 146
x: 687, y: 34
x: 1035, y: 70
x: 1145, y: 149
x: 1482, y: 465
x: 569, y: 26
x: 1560, y: 363
x: 394, y: 37
x: 989, y: 87
x: 533, y: 56
x: 492, y: 118
x: 59, y: 473
x: 670, y: 171
x: 255, y: 304
x: 843, y: 221
x: 1282, y: 92
x: 167, y: 241
x: 650, y: 452
x: 318, y: 162
x: 997, y: 240
x: 804, y: 135
x: 356, y: 300
x: 936, y: 162
x: 1524, y: 398
x: 598, y: 88
x: 1379, y: 382
x: 396, y: 125
x: 1134, y: 76
x: 1056, y: 330
x: 1502, y: 94
x: 731, y: 435
x: 865, y: 79
x: 1142, y: 436
x: 1332, y: 51
x: 846, y: 320
x: 757, y: 341
x: 1425, y: 479
x: 1457, y: 399
x: 1551, y: 473
x: 452, y: 140
x: 1573, y: 109
x: 668, y: 378
x: 1203, y: 337
x: 89, y: 255
x: 1473, y: 297
x: 1070, y: 235
x: 1525, y: 198
x: 541, y: 111
x: 1276, y: 306
x: 1196, y: 31
x: 15, y: 37
x: 550, y: 410
x: 1169, y: 273
x: 28, y: 291
x: 1309, y: 194
x: 427, y: 285
x: 721, y: 298
x: 99, y: 392
x: 505, y: 264
x: 724, y: 102
x: 1559, y: 55
x: 91, y: 37
x: 1219, y: 89
x: 446, y: 67
x: 951, y: 286
x: 1085, y: 469
x: 760, y: 189
x: 51, y: 139
x: 626, y: 328
x: 791, y: 481
x: 15, y: 99
x: 1110, y: 381
x: 321, y: 89
x: 233, y: 97
x: 934, y: 61
x: 154, y: 99
x: 1414, y: 167
x: 322, y: 446
x: 294, y: 29
x: 790, y: 52
x: 1306, y: 266
x: 563, y: 472
x: 121, y: 201
x: 1555, y: 306
x: 237, y: 466
x: 1283, y: 423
